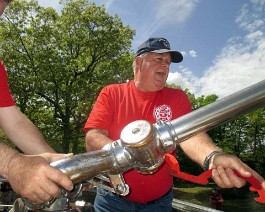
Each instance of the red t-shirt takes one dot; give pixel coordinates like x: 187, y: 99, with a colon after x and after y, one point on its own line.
x: 6, y: 98
x: 120, y: 104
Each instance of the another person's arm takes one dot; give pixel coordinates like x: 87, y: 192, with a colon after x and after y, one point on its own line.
x: 31, y: 176
x: 22, y: 132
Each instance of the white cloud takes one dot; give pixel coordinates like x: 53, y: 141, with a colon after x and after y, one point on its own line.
x: 251, y: 16
x: 254, y: 36
x: 235, y: 70
x: 193, y: 53
x: 166, y: 14
x: 241, y: 62
x: 172, y: 11
x: 184, y: 78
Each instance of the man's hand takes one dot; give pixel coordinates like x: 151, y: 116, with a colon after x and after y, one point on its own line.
x: 223, y: 165
x: 33, y: 178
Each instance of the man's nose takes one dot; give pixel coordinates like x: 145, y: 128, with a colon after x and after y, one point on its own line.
x: 165, y: 63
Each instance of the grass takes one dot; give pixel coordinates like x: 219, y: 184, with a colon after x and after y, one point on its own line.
x: 193, y: 193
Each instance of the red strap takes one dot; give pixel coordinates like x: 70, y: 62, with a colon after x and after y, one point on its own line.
x: 203, y: 178
x: 175, y: 171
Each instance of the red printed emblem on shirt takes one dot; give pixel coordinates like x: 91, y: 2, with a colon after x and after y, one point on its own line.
x: 163, y: 113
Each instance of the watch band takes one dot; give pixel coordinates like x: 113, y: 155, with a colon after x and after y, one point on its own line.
x: 206, y: 162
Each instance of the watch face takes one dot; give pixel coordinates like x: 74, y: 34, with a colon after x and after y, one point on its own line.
x: 207, y: 160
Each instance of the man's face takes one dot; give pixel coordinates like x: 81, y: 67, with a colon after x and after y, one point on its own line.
x: 3, y: 5
x: 153, y: 71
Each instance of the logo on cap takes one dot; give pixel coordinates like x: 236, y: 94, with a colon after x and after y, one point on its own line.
x: 165, y: 43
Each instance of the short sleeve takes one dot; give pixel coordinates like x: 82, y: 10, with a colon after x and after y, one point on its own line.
x: 101, y: 115
x: 6, y: 98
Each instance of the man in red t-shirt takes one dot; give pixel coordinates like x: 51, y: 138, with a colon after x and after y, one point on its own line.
x: 147, y: 98
x: 30, y: 176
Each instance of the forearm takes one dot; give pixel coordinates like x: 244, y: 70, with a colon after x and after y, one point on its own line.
x: 198, y: 147
x: 22, y: 132
x: 29, y: 139
x: 96, y: 139
x: 7, y: 154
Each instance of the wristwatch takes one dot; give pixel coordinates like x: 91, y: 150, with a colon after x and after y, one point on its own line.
x: 206, y: 162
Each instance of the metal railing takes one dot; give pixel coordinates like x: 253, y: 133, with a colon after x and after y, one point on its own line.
x: 187, y: 206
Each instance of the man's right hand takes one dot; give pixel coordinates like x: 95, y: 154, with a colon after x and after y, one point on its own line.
x: 33, y: 178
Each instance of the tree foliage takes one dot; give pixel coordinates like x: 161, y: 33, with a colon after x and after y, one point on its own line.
x: 58, y: 62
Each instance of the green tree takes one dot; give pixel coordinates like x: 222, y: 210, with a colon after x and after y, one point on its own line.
x: 252, y: 139
x: 58, y: 63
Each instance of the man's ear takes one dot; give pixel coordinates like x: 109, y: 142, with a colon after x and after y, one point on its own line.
x: 139, y: 61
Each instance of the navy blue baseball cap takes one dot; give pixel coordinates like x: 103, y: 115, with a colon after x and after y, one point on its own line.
x: 159, y: 45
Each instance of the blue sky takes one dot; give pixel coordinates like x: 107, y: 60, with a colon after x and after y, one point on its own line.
x: 223, y: 42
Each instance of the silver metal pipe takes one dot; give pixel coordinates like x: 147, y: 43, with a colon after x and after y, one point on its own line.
x: 217, y: 113
x: 187, y: 206
x: 84, y: 166
x: 88, y: 165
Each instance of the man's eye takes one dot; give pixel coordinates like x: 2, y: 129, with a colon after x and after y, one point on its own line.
x: 158, y: 59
